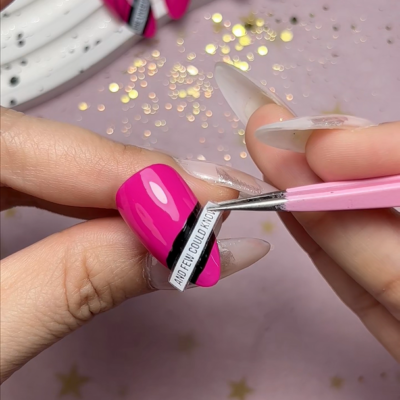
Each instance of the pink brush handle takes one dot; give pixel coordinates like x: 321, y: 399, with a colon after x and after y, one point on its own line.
x: 352, y: 195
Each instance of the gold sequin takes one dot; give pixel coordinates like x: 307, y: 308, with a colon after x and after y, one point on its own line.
x: 211, y: 48
x: 217, y: 18
x: 83, y: 106
x: 125, y: 99
x: 192, y: 70
x: 113, y: 87
x: 286, y: 36
x: 262, y: 50
x: 133, y: 94
x: 238, y: 30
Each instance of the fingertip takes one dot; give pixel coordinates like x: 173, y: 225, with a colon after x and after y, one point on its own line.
x: 266, y: 114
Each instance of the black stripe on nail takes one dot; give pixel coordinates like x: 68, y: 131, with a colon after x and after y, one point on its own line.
x: 182, y: 237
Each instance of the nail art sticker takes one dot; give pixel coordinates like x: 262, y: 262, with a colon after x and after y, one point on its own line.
x: 195, y: 254
x: 136, y: 13
x: 243, y: 94
x: 177, y: 8
x: 161, y: 209
x: 293, y: 134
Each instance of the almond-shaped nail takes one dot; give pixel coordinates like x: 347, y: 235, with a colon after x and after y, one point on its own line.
x: 236, y: 255
x: 243, y: 95
x: 222, y: 175
x: 161, y: 209
x: 293, y: 134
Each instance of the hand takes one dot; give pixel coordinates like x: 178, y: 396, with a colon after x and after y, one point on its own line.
x: 357, y: 252
x: 54, y: 286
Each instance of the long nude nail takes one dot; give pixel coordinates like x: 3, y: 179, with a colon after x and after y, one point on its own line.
x: 245, y: 184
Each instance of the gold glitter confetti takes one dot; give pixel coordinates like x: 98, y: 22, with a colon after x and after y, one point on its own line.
x: 227, y: 38
x: 289, y: 97
x: 241, y: 132
x: 204, y: 125
x: 180, y: 41
x: 262, y: 51
x: 110, y: 131
x: 202, y: 140
x: 191, y: 56
x: 83, y: 106
x: 260, y: 22
x: 152, y: 67
x: 168, y: 106
x: 225, y: 49
x: 101, y: 107
x: 113, y: 87
x: 192, y: 70
x: 125, y: 99
x: 147, y: 133
x: 190, y: 117
x: 133, y: 94
x: 238, y: 30
x: 211, y: 48
x: 155, y: 53
x: 286, y: 36
x: 238, y: 47
x: 250, y: 56
x: 208, y: 113
x: 217, y: 18
x: 182, y: 94
x: 157, y: 123
x: 143, y: 84
x: 245, y: 40
x: 243, y: 154
x: 337, y: 382
x: 200, y: 157
x: 227, y: 157
x: 138, y: 62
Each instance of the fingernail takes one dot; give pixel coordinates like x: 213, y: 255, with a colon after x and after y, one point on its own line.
x: 177, y: 8
x: 293, y: 134
x: 236, y: 255
x: 137, y: 14
x: 243, y: 95
x: 161, y: 209
x: 245, y: 184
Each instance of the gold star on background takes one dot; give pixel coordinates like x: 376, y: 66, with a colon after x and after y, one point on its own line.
x: 267, y: 226
x: 72, y: 382
x: 336, y: 110
x: 10, y: 213
x: 337, y: 382
x: 187, y: 343
x: 239, y: 390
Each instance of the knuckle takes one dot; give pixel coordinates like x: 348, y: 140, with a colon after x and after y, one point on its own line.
x: 86, y: 293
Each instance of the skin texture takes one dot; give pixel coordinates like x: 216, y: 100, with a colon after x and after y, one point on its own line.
x: 357, y: 252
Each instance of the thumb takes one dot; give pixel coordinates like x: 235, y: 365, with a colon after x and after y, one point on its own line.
x: 52, y: 287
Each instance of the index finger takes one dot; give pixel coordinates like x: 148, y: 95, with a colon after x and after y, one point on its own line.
x: 72, y: 166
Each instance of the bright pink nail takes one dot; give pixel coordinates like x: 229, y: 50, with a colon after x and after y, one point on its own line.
x: 177, y: 8
x: 161, y: 209
x: 136, y: 13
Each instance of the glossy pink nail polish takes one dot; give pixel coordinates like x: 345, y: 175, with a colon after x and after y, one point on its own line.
x: 161, y: 209
x: 136, y: 13
x: 177, y: 8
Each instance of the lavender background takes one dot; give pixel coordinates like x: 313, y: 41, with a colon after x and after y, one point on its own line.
x: 277, y: 328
